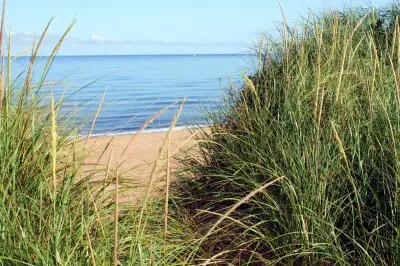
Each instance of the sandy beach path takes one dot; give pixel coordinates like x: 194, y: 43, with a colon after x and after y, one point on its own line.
x: 135, y: 158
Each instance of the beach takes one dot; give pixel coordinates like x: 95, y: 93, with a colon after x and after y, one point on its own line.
x: 135, y: 155
x: 170, y: 134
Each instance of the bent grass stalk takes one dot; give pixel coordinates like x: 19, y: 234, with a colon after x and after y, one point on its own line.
x: 145, y: 125
x: 157, y: 162
x: 167, y: 183
x: 237, y: 205
x: 167, y: 177
x: 116, y: 213
x: 228, y: 213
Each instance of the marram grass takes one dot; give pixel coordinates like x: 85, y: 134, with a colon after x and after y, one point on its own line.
x: 323, y: 111
x: 299, y: 167
x: 53, y: 213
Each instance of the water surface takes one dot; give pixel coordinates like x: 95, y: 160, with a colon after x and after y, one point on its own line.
x: 139, y: 86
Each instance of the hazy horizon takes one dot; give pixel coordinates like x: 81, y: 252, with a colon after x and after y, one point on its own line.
x: 93, y: 55
x: 155, y: 27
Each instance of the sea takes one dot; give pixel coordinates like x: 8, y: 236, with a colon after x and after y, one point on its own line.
x: 137, y: 87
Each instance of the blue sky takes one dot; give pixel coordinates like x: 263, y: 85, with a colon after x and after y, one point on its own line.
x: 156, y: 26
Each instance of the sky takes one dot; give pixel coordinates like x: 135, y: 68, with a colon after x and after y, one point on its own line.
x: 116, y: 27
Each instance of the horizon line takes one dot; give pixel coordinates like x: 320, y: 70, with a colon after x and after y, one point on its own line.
x: 183, y: 54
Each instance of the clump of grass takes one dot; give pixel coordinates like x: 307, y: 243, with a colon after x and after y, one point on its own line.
x: 53, y: 213
x: 323, y: 110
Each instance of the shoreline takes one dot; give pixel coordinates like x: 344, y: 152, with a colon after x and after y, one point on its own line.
x: 145, y: 131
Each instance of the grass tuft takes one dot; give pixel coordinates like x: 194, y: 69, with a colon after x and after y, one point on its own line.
x: 52, y: 212
x: 323, y: 111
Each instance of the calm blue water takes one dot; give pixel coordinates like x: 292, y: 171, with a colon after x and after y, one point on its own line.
x: 139, y: 86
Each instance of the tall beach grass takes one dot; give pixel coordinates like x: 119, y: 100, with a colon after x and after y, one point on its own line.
x: 52, y: 212
x: 323, y: 114
x: 300, y: 165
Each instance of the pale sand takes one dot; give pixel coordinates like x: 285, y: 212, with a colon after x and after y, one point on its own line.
x: 137, y: 162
